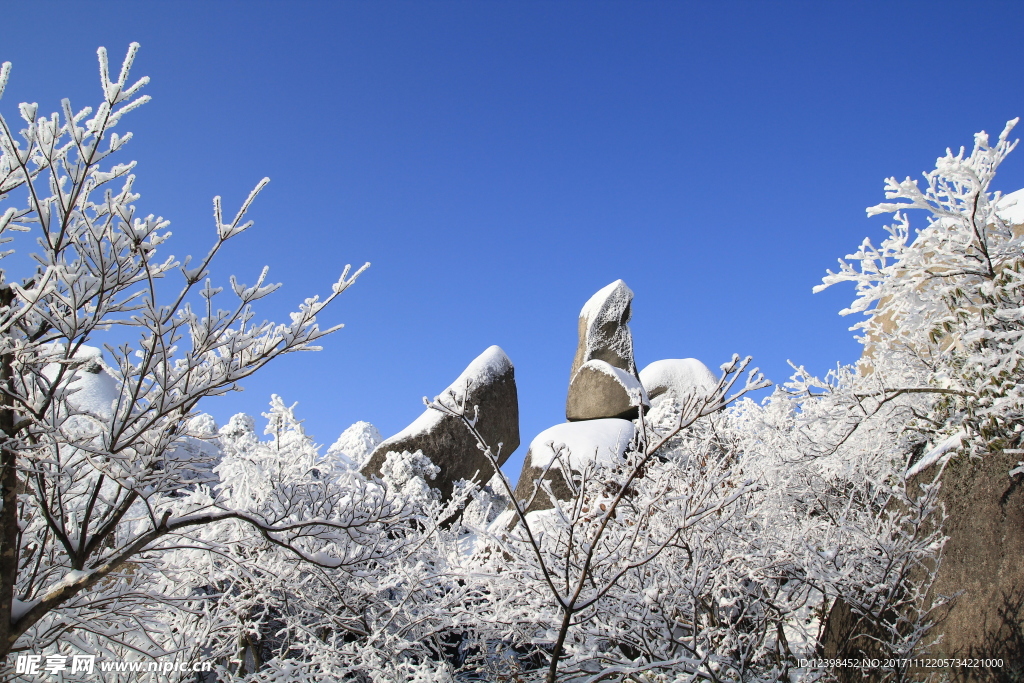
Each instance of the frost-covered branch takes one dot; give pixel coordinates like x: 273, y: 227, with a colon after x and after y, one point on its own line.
x: 91, y: 485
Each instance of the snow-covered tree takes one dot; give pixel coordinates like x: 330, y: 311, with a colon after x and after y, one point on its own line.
x: 725, y: 557
x: 627, y: 577
x: 944, y: 304
x: 97, y: 482
x: 380, y: 605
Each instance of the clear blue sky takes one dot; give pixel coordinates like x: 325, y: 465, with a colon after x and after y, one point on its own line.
x: 499, y: 162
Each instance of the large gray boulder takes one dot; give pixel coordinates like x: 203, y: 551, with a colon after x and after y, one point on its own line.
x: 981, y: 565
x: 447, y: 441
x: 600, y: 390
x: 576, y: 443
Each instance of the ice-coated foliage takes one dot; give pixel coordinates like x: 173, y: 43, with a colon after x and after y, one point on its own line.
x: 409, y: 474
x: 944, y: 304
x: 355, y: 444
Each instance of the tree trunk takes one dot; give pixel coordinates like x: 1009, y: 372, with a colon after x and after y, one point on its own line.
x: 9, y: 490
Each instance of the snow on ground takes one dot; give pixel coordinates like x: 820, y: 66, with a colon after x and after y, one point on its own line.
x: 678, y: 375
x: 605, y: 439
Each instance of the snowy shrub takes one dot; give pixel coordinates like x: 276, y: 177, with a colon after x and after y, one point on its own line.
x: 354, y: 446
x: 408, y: 473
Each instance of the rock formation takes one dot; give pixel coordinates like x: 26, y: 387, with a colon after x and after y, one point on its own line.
x: 603, y: 332
x: 447, y: 441
x: 577, y: 442
x: 604, y: 394
x: 603, y: 381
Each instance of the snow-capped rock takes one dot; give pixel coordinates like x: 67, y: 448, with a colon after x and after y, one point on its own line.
x: 488, y: 382
x: 601, y: 390
x: 576, y: 443
x: 678, y: 375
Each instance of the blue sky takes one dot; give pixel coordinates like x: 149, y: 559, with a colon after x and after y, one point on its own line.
x: 499, y: 162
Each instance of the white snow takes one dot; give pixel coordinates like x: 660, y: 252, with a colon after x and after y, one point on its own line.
x: 486, y: 367
x: 95, y: 389
x: 423, y: 424
x: 489, y: 365
x: 632, y: 386
x: 355, y: 444
x: 605, y: 439
x: 679, y: 375
x: 1011, y: 207
x: 540, y: 521
x: 933, y: 456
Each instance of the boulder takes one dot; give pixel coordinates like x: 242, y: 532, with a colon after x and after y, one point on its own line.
x: 981, y: 565
x: 447, y: 441
x: 600, y: 390
x: 603, y: 332
x: 982, y: 561
x: 678, y: 375
x: 603, y: 441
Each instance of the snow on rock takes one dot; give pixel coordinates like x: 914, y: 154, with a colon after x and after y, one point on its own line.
x: 604, y: 440
x: 484, y: 369
x: 446, y: 441
x: 543, y: 520
x: 630, y: 384
x: 599, y: 441
x: 1011, y: 208
x: 603, y: 332
x: 488, y: 366
x: 354, y: 446
x: 95, y: 389
x: 678, y: 375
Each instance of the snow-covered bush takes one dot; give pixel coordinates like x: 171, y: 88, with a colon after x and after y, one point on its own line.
x: 722, y: 557
x: 356, y: 598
